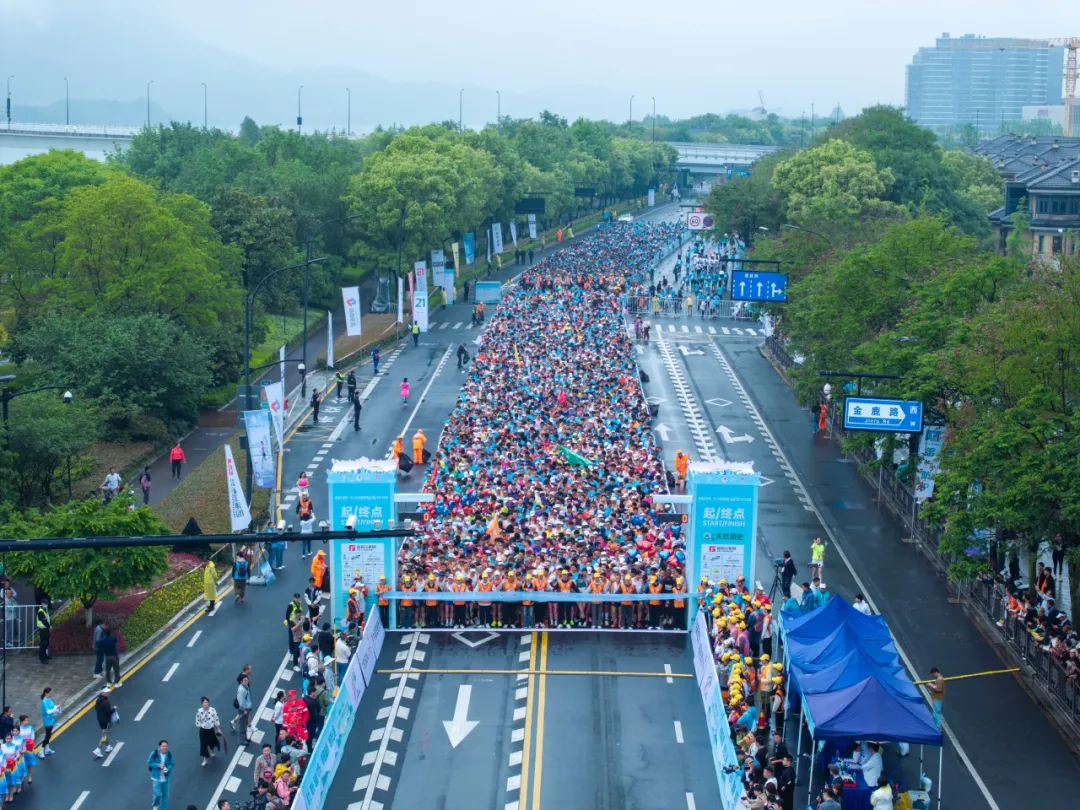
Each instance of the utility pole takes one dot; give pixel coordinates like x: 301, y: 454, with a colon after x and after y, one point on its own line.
x: 203, y: 104
x: 67, y: 107
x: 299, y: 111
x: 148, y: 103
x: 348, y: 115
x: 630, y: 120
x: 498, y: 109
x: 9, y: 78
x: 460, y: 107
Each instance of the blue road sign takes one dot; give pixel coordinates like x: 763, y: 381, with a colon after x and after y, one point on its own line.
x: 747, y: 285
x: 888, y: 415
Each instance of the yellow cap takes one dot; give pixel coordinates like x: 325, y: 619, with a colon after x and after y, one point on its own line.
x: 353, y: 590
x: 406, y: 578
x: 715, y: 611
x: 778, y: 667
x: 484, y: 575
x: 764, y: 657
x: 431, y: 577
x: 748, y: 659
x: 723, y: 582
x: 382, y: 577
x: 596, y: 575
x: 652, y: 579
x: 742, y: 625
x: 725, y: 656
x: 678, y: 580
x: 778, y: 680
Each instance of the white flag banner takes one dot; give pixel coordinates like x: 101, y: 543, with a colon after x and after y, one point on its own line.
x: 496, y: 237
x: 513, y: 232
x: 652, y: 197
x: 532, y: 226
x: 275, y: 401
x: 400, y: 302
x: 260, y: 448
x: 420, y: 310
x: 350, y: 296
x: 438, y: 268
x: 281, y: 362
x: 239, y: 515
x: 488, y: 240
x: 329, y: 339
x: 420, y: 269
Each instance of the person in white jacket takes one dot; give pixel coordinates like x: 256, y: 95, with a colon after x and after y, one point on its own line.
x: 882, y: 798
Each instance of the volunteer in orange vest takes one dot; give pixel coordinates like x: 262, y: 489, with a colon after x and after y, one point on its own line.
x: 352, y: 608
x: 626, y: 606
x: 485, y: 586
x: 596, y: 586
x: 506, y: 613
x: 701, y: 588
x: 527, y: 618
x: 399, y: 448
x: 566, y: 609
x: 459, y: 587
x: 418, y: 442
x: 682, y: 466
x: 384, y: 604
x: 430, y: 616
x: 678, y: 611
x: 655, y: 611
x: 406, y: 617
x: 318, y: 570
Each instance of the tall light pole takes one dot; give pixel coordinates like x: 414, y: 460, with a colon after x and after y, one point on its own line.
x: 9, y: 78
x: 460, y: 107
x: 348, y: 113
x: 203, y: 104
x: 67, y: 105
x: 148, y: 103
x: 630, y: 120
x: 299, y: 111
x: 498, y: 109
x: 654, y: 119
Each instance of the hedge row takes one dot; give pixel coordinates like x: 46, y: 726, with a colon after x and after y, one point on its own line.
x: 158, y: 608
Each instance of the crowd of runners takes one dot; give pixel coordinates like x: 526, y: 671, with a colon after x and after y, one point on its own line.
x: 544, y: 477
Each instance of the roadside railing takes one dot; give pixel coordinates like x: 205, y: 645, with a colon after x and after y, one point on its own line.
x: 20, y: 626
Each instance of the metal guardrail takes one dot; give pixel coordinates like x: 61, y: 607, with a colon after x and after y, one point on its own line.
x: 68, y: 130
x: 988, y: 599
x: 20, y: 626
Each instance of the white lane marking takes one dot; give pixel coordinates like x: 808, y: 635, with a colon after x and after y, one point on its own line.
x: 712, y: 330
x: 257, y: 736
x: 233, y: 784
x: 667, y: 670
x: 171, y: 672
x: 725, y: 330
x: 515, y: 758
x: 384, y: 741
x: 112, y: 755
x: 698, y: 329
x: 194, y: 638
x: 993, y: 805
x: 444, y: 325
x: 225, y: 779
x: 526, y: 638
x: 142, y: 711
x: 79, y: 801
x: 671, y: 327
x: 513, y: 782
x: 519, y: 713
x: 521, y: 693
x: 678, y: 732
x: 246, y: 759
x: 328, y: 445
x: 312, y: 467
x: 524, y: 655
x: 686, y: 329
x: 457, y: 325
x: 690, y: 803
x: 517, y: 735
x: 419, y: 402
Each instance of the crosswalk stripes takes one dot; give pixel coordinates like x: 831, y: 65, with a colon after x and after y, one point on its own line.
x: 686, y: 329
x: 726, y: 330
x: 457, y: 325
x: 697, y: 329
x: 671, y: 327
x: 444, y: 324
x: 712, y: 330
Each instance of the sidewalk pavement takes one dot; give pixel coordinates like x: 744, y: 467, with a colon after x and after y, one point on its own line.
x: 197, y: 447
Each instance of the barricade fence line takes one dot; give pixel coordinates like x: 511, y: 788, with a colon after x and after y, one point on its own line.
x: 531, y: 596
x: 985, y: 598
x: 20, y: 626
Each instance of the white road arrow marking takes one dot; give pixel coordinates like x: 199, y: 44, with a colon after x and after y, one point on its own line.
x: 458, y: 728
x: 663, y: 430
x: 474, y: 644
x: 719, y: 402
x: 730, y: 437
x: 686, y: 352
x: 655, y: 400
x: 640, y: 349
x: 765, y: 481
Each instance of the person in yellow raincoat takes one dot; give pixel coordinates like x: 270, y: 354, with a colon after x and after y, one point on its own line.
x: 209, y: 583
x: 418, y: 442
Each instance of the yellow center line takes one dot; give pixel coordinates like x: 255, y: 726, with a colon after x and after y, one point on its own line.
x: 541, y: 699
x: 528, y: 731
x: 540, y: 671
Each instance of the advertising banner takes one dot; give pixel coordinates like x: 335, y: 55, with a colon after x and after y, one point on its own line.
x: 351, y: 298
x: 448, y: 284
x: 420, y: 310
x: 275, y: 403
x: 371, y: 644
x: 725, y: 760
x: 723, y: 529
x: 468, y: 244
x: 239, y: 516
x: 488, y: 292
x: 263, y: 467
x: 281, y: 362
x: 652, y: 197
x: 513, y: 232
x: 420, y: 269
x: 329, y: 339
x: 400, y: 302
x: 438, y: 267
x: 488, y: 240
x: 930, y: 443
x: 496, y: 237
x: 532, y: 226
x: 455, y: 249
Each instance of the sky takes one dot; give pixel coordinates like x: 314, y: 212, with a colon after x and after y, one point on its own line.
x: 692, y: 57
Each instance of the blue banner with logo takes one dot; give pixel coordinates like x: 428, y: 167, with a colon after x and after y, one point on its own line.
x: 723, y: 524
x: 468, y: 242
x: 263, y: 457
x: 369, y: 497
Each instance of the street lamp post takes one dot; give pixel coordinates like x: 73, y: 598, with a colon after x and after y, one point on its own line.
x: 348, y: 113
x: 299, y: 109
x: 67, y: 107
x: 787, y: 227
x: 460, y: 108
x: 9, y: 78
x: 249, y: 302
x: 203, y: 105
x: 498, y: 109
x: 308, y: 263
x: 630, y: 120
x: 148, y: 103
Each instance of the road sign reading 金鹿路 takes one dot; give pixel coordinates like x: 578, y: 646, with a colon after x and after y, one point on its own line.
x: 748, y: 285
x: 889, y: 415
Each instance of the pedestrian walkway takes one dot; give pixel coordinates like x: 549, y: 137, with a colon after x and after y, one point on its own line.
x: 197, y: 446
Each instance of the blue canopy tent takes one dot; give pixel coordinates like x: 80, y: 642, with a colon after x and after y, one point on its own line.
x: 837, y: 644
x: 849, y: 670
x: 869, y: 710
x: 821, y: 622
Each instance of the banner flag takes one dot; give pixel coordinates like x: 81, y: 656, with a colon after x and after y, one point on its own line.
x: 513, y: 232
x: 496, y: 237
x: 275, y: 400
x: 351, y: 297
x: 652, y: 197
x: 421, y: 277
x: 400, y: 302
x: 420, y: 310
x: 532, y: 226
x: 239, y: 515
x: 329, y: 339
x: 260, y: 447
x: 573, y: 458
x: 468, y: 244
x: 438, y: 268
x: 455, y: 249
x: 488, y: 240
x: 281, y: 362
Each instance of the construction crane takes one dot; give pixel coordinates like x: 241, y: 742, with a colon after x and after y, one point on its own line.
x: 1071, y: 44
x: 762, y: 110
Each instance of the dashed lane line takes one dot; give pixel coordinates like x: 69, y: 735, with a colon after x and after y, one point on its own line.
x: 700, y: 434
x: 145, y: 707
x: 667, y: 671
x: 112, y: 755
x: 171, y: 672
x: 79, y: 801
x: 678, y: 733
x: 194, y: 638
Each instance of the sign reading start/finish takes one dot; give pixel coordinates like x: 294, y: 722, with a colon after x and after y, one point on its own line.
x: 888, y: 415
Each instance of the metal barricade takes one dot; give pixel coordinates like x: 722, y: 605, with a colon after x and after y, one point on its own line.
x: 20, y: 626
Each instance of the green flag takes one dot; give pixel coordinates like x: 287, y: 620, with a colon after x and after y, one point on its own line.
x: 574, y: 458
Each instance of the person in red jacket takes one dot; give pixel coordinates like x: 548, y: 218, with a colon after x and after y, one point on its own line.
x: 177, y: 457
x: 295, y: 716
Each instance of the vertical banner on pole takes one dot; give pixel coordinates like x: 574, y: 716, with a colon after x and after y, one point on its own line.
x: 455, y: 250
x: 363, y: 488
x: 400, y: 302
x: 420, y: 296
x: 420, y: 269
x: 468, y: 244
x: 496, y: 237
x: 532, y: 226
x: 239, y: 515
x: 652, y: 197
x: 438, y: 267
x: 350, y: 297
x: 329, y: 339
x: 448, y: 285
x: 488, y: 240
x: 513, y: 232
x: 263, y: 468
x: 281, y: 362
x: 275, y: 400
x: 723, y: 520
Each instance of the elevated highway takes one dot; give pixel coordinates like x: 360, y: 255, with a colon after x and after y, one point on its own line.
x: 19, y: 140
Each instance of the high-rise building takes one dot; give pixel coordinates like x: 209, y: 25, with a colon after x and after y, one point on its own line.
x: 982, y: 80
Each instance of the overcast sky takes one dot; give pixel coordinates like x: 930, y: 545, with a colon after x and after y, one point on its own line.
x: 693, y: 57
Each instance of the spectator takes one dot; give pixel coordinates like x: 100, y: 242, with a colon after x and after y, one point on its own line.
x: 882, y: 798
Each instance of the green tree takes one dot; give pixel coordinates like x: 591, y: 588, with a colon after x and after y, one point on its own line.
x: 747, y: 203
x: 88, y: 575
x: 263, y: 231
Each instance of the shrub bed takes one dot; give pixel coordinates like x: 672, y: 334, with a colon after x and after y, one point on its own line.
x: 156, y: 609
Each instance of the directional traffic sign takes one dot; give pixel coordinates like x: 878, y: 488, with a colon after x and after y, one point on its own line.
x: 747, y: 285
x: 888, y: 415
